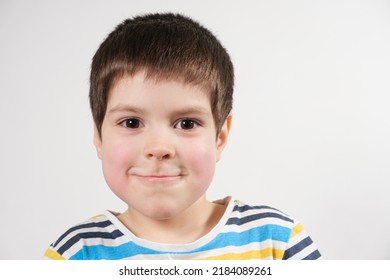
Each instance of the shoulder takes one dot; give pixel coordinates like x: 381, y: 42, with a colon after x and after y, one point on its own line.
x: 244, y: 213
x: 93, y: 231
x: 260, y: 221
x: 270, y: 223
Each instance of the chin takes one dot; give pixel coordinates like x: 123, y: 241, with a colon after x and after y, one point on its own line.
x: 161, y: 213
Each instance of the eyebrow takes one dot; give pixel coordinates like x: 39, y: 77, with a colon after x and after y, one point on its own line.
x: 198, y: 110
x: 180, y: 111
x: 124, y: 109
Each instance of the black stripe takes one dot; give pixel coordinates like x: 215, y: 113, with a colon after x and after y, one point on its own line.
x: 89, y: 225
x: 250, y: 218
x: 313, y: 256
x: 247, y: 207
x: 297, y: 248
x: 88, y: 235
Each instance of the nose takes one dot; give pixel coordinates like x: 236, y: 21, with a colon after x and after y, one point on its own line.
x: 159, y: 146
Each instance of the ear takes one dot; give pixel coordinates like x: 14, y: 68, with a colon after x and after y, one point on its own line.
x: 223, y: 136
x: 97, y: 140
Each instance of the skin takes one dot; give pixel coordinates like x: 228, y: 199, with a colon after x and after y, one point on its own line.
x: 159, y: 150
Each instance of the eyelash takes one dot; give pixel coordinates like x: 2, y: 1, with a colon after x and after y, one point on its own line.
x: 138, y: 124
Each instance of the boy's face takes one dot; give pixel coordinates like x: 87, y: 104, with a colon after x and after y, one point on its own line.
x: 158, y: 145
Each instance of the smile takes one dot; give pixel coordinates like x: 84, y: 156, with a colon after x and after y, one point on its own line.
x: 159, y: 178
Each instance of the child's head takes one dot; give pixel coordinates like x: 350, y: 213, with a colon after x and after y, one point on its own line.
x: 165, y: 47
x: 161, y: 89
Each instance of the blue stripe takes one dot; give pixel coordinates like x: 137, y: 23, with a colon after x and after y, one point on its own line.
x: 102, y: 252
x: 258, y: 234
x: 130, y: 249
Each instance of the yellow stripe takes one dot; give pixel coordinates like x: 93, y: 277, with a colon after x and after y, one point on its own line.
x: 255, y: 254
x: 97, y: 216
x: 296, y: 230
x: 53, y: 255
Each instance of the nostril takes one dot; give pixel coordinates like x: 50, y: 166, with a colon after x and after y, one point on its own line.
x: 158, y: 145
x: 160, y: 153
x: 162, y: 156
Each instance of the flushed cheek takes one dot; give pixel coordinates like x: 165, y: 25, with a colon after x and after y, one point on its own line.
x: 202, y: 162
x: 116, y: 163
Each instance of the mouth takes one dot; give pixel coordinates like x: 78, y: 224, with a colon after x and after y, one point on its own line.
x: 158, y: 178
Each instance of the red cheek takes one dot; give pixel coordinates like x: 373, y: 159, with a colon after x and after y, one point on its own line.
x: 202, y: 162
x: 116, y: 162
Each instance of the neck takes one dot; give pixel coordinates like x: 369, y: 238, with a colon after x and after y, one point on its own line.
x: 186, y: 227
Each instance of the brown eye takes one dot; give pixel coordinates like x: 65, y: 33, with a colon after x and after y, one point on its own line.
x: 186, y: 124
x: 131, y: 123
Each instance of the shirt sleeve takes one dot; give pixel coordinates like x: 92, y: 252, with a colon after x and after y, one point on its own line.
x: 300, y: 246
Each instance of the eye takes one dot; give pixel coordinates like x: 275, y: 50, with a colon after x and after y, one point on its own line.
x: 131, y: 123
x: 186, y: 124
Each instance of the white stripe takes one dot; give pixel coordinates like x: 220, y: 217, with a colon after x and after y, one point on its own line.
x: 250, y: 212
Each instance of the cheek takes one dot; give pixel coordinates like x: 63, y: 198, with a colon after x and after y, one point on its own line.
x: 116, y: 160
x: 202, y: 162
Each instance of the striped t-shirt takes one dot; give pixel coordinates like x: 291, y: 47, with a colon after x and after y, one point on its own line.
x: 243, y: 232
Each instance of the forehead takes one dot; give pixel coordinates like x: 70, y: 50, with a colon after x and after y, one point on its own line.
x: 141, y: 89
x: 144, y: 80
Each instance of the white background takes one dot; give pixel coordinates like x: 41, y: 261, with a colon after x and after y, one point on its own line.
x: 311, y: 128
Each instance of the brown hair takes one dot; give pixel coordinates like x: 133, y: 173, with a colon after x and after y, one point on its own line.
x: 166, y: 46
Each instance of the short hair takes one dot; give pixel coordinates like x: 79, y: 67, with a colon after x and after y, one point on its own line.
x: 166, y: 46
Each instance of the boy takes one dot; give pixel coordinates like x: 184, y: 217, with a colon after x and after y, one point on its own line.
x: 161, y: 98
